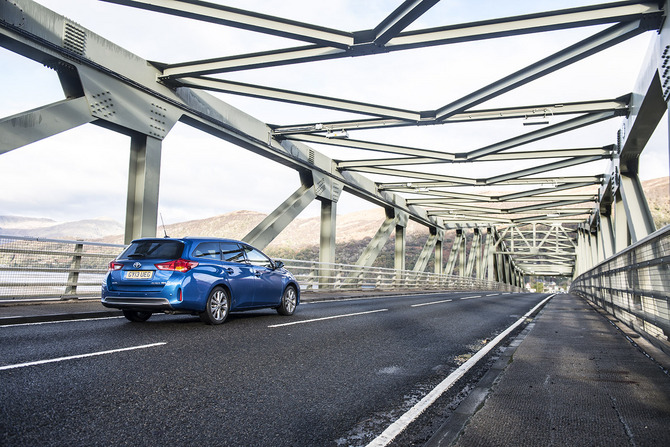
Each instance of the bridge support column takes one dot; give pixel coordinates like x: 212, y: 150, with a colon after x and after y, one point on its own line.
x: 400, y: 245
x: 402, y: 219
x: 606, y: 236
x: 438, y: 256
x: 475, y: 254
x: 143, y: 184
x: 327, y: 240
x: 579, y: 258
x: 621, y: 233
x: 488, y: 257
x: 593, y: 243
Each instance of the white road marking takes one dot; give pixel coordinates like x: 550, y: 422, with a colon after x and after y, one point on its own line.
x: 470, y: 297
x: 327, y: 318
x: 403, y: 422
x: 431, y: 302
x: 38, y: 323
x: 372, y: 297
x: 81, y: 356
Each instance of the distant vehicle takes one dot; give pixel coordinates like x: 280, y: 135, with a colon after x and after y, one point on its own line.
x: 200, y: 276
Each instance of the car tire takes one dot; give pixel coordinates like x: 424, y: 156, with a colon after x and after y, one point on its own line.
x: 217, y: 307
x: 137, y: 316
x: 289, y: 301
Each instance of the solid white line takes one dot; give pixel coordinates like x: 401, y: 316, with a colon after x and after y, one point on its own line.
x: 401, y: 423
x: 38, y: 323
x: 81, y: 356
x: 327, y: 318
x: 432, y: 302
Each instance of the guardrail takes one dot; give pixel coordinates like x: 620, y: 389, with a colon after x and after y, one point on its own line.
x: 634, y: 285
x: 38, y: 269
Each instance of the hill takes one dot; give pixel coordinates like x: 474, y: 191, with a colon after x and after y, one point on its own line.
x: 89, y: 229
x: 299, y: 241
x: 656, y: 191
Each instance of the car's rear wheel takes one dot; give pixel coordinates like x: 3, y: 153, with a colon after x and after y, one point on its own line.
x: 289, y: 301
x: 217, y: 307
x: 137, y: 316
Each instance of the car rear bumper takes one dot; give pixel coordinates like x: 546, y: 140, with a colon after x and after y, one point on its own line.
x: 140, y: 303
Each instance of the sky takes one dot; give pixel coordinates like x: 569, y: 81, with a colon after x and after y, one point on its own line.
x: 83, y: 173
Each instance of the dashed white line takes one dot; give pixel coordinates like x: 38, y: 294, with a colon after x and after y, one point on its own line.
x: 80, y: 356
x: 431, y: 302
x: 373, y: 297
x: 39, y: 323
x: 328, y: 318
x: 470, y: 297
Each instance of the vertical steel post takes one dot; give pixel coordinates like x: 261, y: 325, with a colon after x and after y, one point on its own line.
x: 438, y: 257
x: 73, y: 276
x: 143, y: 183
x: 327, y: 240
x: 606, y: 236
x: 621, y: 233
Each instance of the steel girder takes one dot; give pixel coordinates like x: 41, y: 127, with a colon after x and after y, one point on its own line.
x: 34, y: 125
x: 280, y: 218
x: 369, y: 42
x: 96, y: 72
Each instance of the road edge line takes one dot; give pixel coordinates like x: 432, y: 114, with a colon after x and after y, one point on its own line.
x: 388, y: 435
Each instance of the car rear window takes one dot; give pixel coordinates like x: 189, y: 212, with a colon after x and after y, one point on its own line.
x: 154, y: 250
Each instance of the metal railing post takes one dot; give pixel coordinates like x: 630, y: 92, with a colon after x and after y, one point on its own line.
x: 73, y: 276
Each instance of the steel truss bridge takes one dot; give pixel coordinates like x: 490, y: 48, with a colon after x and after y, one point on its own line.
x: 521, y: 221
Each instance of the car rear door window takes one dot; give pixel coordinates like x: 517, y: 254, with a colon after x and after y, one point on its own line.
x: 231, y: 252
x: 210, y: 250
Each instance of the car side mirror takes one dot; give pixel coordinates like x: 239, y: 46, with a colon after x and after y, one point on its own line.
x: 278, y: 265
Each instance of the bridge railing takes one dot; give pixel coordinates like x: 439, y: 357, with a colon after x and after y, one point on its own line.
x: 634, y: 285
x: 38, y: 269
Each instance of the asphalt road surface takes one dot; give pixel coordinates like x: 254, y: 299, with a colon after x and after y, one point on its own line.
x: 337, y: 373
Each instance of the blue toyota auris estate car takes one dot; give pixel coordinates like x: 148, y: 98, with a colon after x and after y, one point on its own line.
x: 206, y: 277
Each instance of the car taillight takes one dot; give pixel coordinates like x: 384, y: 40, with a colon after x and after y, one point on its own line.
x: 115, y: 266
x: 178, y: 265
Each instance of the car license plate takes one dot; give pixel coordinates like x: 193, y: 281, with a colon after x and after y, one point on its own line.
x: 139, y: 274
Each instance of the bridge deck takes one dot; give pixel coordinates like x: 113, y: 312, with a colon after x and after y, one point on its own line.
x: 571, y: 378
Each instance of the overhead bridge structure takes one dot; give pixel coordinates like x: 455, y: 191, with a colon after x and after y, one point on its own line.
x: 555, y: 197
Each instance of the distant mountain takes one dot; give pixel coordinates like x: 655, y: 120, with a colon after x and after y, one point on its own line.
x: 23, y: 223
x: 89, y: 229
x: 300, y: 240
x: 301, y: 233
x: 657, y: 192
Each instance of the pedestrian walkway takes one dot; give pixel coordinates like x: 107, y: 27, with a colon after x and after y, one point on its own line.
x: 574, y: 380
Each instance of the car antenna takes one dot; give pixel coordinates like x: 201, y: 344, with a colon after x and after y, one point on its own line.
x: 162, y: 222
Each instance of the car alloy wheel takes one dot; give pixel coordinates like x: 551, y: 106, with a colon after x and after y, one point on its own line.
x: 289, y: 301
x: 217, y: 307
